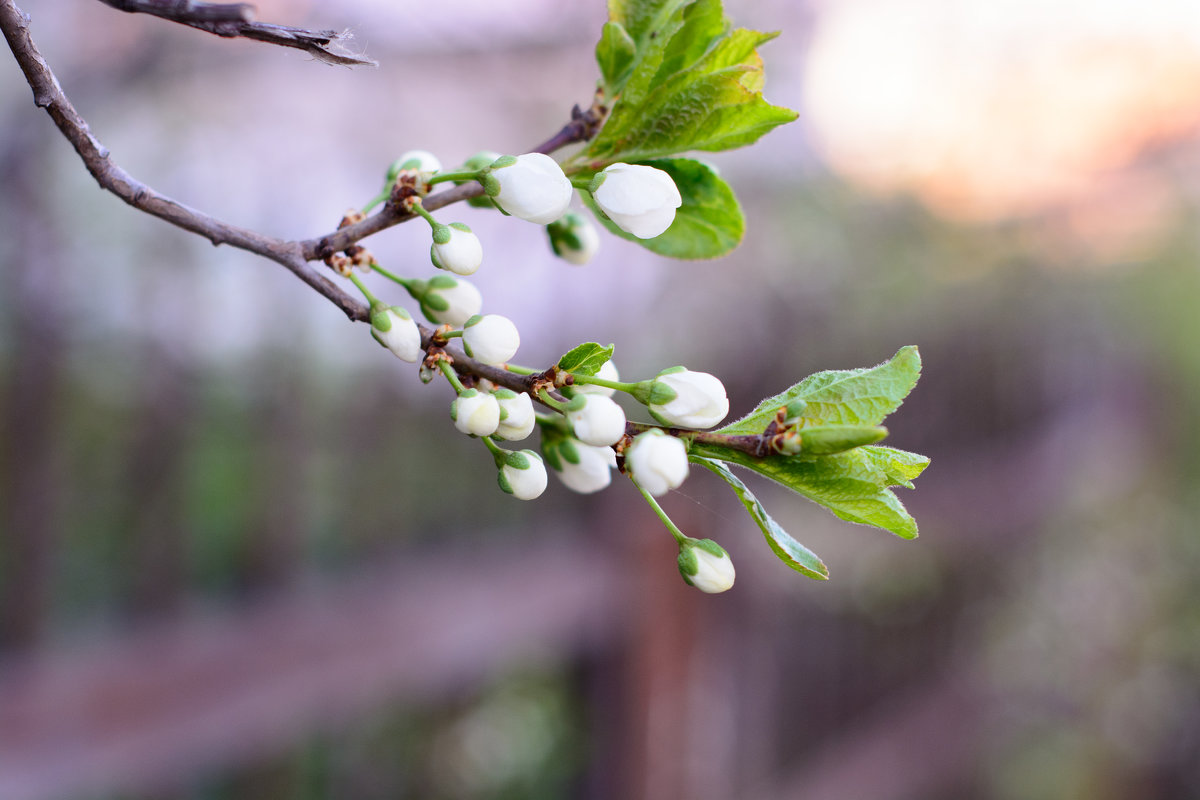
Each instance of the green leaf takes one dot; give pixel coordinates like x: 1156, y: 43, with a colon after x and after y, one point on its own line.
x: 700, y: 89
x: 790, y: 552
x: 842, y: 397
x: 614, y: 54
x: 854, y: 485
x: 708, y: 224
x: 586, y: 359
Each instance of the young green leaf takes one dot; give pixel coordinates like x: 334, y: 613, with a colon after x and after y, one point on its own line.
x: 854, y: 485
x: 698, y: 90
x: 842, y: 397
x: 708, y: 224
x: 615, y: 54
x: 789, y: 551
x: 586, y: 359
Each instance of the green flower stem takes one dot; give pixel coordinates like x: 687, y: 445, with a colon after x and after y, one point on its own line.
x: 583, y: 184
x: 452, y: 376
x: 371, y: 299
x: 517, y: 368
x: 545, y: 397
x: 449, y: 334
x: 592, y: 379
x: 671, y: 526
x: 498, y: 452
x: 465, y: 175
x: 405, y: 282
x: 420, y: 209
x: 379, y: 198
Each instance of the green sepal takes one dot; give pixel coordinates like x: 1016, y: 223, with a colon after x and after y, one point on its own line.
x: 490, y: 184
x: 472, y: 320
x: 597, y: 181
x: 458, y: 226
x: 441, y: 234
x: 585, y: 359
x: 502, y: 479
x: 689, y: 565
x: 503, y: 161
x: 577, y: 403
x: 708, y: 224
x: 380, y: 320
x: 661, y: 394
x: 518, y: 460
x: 442, y: 282
x: 789, y: 551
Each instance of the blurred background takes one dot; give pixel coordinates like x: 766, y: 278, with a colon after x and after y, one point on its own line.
x: 244, y: 555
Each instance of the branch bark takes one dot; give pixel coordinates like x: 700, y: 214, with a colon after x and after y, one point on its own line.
x: 232, y: 20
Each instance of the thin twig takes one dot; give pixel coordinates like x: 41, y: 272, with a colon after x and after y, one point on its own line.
x: 49, y: 95
x: 233, y: 20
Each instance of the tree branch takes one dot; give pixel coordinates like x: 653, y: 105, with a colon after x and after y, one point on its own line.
x: 49, y: 95
x: 233, y: 20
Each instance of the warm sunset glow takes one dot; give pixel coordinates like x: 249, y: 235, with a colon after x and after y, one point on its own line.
x: 989, y: 108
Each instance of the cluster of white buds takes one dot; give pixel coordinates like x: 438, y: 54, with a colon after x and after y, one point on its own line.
x: 580, y: 442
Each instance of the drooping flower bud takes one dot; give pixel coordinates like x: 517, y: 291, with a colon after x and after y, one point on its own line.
x: 596, y: 419
x: 394, y: 328
x: 581, y: 467
x: 517, y: 417
x: 456, y: 249
x: 532, y: 187
x: 447, y: 300
x: 704, y: 564
x: 476, y: 413
x: 573, y: 238
x: 523, y: 475
x: 609, y: 373
x: 686, y: 399
x: 641, y: 200
x: 491, y: 339
x: 657, y: 462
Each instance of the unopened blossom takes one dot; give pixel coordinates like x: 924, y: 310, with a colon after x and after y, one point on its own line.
x: 686, y: 399
x: 517, y: 417
x: 523, y: 475
x: 704, y: 564
x: 395, y: 329
x: 456, y: 248
x: 641, y: 200
x: 573, y: 238
x: 448, y: 300
x: 657, y: 462
x: 596, y: 419
x: 476, y: 413
x: 583, y: 468
x: 531, y: 187
x: 491, y: 339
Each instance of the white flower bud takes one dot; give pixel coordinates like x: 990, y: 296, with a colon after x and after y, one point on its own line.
x: 532, y: 187
x: 491, y: 339
x: 641, y: 200
x: 705, y: 564
x: 523, y: 475
x: 517, y: 417
x: 657, y: 461
x: 476, y: 413
x: 574, y: 238
x: 609, y: 373
x: 583, y: 468
x: 686, y: 399
x: 420, y: 160
x: 456, y: 249
x: 450, y: 300
x: 395, y: 329
x: 596, y: 419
